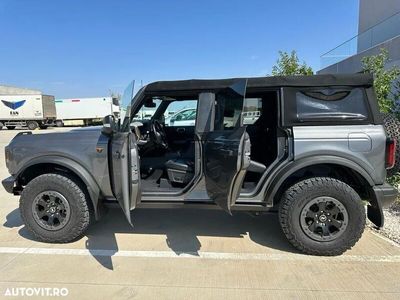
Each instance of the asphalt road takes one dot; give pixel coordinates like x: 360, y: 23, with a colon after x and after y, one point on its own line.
x: 188, y: 254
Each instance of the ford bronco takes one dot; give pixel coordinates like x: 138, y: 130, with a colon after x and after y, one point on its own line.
x: 312, y: 148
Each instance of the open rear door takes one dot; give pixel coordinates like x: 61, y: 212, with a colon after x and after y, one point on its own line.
x: 226, y: 154
x: 125, y: 171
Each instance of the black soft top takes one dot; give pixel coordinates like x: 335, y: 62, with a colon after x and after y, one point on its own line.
x: 260, y: 82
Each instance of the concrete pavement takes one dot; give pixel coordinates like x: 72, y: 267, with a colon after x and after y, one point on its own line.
x: 188, y: 254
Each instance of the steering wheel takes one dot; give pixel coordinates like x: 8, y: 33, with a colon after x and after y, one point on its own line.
x: 158, y: 135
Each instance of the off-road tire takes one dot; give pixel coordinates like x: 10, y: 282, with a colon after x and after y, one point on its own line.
x: 10, y: 127
x: 77, y: 199
x: 32, y: 125
x: 392, y: 126
x: 295, y: 199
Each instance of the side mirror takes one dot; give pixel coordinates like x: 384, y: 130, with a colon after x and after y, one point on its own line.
x: 178, y: 118
x: 108, y: 125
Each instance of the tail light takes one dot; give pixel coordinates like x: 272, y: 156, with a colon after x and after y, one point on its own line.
x: 390, y: 153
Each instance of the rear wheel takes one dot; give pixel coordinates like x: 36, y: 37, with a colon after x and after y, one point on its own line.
x: 10, y: 127
x: 322, y: 216
x: 54, y: 208
x: 1, y: 125
x: 32, y: 125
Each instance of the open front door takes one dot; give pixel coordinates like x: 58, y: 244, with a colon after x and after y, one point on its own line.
x: 226, y: 154
x: 125, y: 171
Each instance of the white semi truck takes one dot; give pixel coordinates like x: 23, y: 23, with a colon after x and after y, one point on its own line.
x: 26, y: 108
x: 85, y: 111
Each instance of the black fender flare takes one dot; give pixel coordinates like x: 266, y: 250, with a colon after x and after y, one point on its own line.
x: 375, y: 213
x: 80, y: 171
x: 282, y: 174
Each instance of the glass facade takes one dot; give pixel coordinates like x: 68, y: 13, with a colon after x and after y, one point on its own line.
x: 383, y: 31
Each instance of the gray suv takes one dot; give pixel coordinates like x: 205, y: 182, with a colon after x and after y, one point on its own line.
x: 315, y: 150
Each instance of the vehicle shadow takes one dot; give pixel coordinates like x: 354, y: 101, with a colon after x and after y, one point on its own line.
x: 182, y: 228
x: 13, y: 219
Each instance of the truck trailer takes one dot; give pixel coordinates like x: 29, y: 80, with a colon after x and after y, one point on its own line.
x: 85, y: 111
x: 26, y: 108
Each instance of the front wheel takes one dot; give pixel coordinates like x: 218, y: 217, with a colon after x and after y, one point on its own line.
x: 54, y: 208
x: 322, y: 216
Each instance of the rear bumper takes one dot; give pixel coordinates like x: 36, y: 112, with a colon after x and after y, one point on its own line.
x: 8, y: 184
x: 383, y: 196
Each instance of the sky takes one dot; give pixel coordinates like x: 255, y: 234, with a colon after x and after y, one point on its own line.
x: 76, y: 48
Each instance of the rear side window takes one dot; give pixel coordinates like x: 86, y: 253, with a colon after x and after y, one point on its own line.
x: 313, y: 106
x: 331, y: 105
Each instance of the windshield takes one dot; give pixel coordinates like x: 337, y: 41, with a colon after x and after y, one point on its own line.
x: 126, y: 104
x: 147, y: 112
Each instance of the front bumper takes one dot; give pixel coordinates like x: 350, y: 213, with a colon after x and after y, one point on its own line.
x: 383, y: 196
x: 9, y: 184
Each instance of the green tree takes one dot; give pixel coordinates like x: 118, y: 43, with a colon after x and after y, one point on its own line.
x: 289, y: 64
x: 384, y: 79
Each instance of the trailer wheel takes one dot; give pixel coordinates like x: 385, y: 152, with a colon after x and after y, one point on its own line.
x: 32, y: 125
x: 10, y: 127
x: 59, y: 123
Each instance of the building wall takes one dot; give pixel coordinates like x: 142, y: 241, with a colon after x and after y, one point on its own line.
x: 353, y: 64
x: 371, y: 39
x: 373, y: 12
x: 12, y: 90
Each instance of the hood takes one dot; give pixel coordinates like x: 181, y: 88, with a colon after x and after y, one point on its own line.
x: 78, y: 145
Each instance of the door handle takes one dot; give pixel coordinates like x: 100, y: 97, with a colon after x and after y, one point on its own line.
x: 180, y: 130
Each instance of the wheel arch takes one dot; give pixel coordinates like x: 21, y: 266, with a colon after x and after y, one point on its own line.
x: 44, y: 165
x: 336, y: 167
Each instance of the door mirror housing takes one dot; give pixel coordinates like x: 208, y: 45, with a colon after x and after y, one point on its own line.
x: 109, y: 126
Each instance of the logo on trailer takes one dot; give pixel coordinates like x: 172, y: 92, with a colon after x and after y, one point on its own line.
x: 13, y: 104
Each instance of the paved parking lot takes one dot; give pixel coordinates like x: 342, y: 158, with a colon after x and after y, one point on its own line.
x: 188, y: 254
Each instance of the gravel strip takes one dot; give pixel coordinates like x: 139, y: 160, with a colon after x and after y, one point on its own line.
x: 391, y: 229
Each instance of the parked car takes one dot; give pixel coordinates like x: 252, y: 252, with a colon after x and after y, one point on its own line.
x: 184, y: 117
x: 317, y: 151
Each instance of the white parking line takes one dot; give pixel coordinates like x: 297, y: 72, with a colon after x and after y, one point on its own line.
x: 200, y: 255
